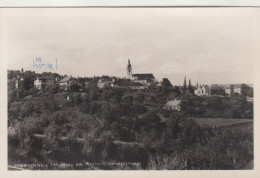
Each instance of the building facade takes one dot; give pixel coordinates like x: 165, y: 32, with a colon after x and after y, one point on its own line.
x: 203, y: 90
x: 65, y: 83
x: 43, y: 82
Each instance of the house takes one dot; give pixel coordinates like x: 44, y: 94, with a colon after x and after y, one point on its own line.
x: 113, y: 83
x: 241, y: 89
x: 159, y: 84
x: 173, y: 105
x: 43, y: 82
x: 57, y: 79
x: 19, y: 82
x: 237, y: 90
x: 65, y: 83
x: 229, y: 91
x: 101, y: 84
x: 203, y: 90
x: 143, y: 78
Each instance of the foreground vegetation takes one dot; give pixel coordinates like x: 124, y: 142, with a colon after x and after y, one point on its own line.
x: 122, y: 125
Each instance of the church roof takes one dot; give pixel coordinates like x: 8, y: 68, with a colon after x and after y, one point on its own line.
x: 144, y: 76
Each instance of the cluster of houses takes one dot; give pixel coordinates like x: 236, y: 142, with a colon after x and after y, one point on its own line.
x: 47, y: 81
x: 138, y: 82
x: 213, y: 90
x: 223, y: 90
x: 133, y: 81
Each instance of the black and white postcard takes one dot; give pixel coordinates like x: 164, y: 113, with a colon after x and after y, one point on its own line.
x: 92, y: 89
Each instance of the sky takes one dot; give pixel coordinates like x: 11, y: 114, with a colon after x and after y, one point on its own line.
x: 207, y: 45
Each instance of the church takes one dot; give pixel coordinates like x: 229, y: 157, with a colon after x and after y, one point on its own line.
x: 146, y: 78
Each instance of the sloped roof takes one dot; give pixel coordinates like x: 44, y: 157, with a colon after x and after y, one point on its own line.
x: 101, y: 84
x: 144, y: 76
x: 173, y: 103
x: 65, y: 79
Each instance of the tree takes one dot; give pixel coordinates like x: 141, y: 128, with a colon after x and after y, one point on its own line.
x: 25, y: 145
x: 184, y: 86
x: 191, y: 91
x: 74, y: 87
x: 176, y: 90
x: 166, y: 86
x: 77, y: 100
x: 26, y: 83
x: 53, y: 89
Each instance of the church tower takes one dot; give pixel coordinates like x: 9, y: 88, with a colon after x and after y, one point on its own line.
x: 129, y: 70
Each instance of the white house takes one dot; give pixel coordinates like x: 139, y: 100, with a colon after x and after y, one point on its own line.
x: 65, y: 83
x: 18, y: 82
x: 173, y: 105
x: 203, y: 90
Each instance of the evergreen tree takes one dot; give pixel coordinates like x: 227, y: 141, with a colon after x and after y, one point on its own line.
x: 184, y: 86
x: 190, y: 87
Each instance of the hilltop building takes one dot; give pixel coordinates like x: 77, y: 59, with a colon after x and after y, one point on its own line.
x: 65, y: 83
x: 203, y: 90
x: 146, y: 79
x: 19, y: 82
x: 103, y: 83
x: 241, y: 89
x: 43, y: 82
x: 129, y: 70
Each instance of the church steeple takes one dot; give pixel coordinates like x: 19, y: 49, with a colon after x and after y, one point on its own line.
x: 129, y: 65
x: 129, y: 70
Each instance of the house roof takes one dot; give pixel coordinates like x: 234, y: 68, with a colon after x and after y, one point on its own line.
x: 144, y: 76
x: 173, y: 103
x: 101, y: 84
x: 65, y: 79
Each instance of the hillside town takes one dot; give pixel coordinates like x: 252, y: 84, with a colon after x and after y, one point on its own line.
x: 138, y: 119
x: 142, y: 81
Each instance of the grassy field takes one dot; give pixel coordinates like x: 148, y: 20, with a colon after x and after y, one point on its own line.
x: 221, y: 122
